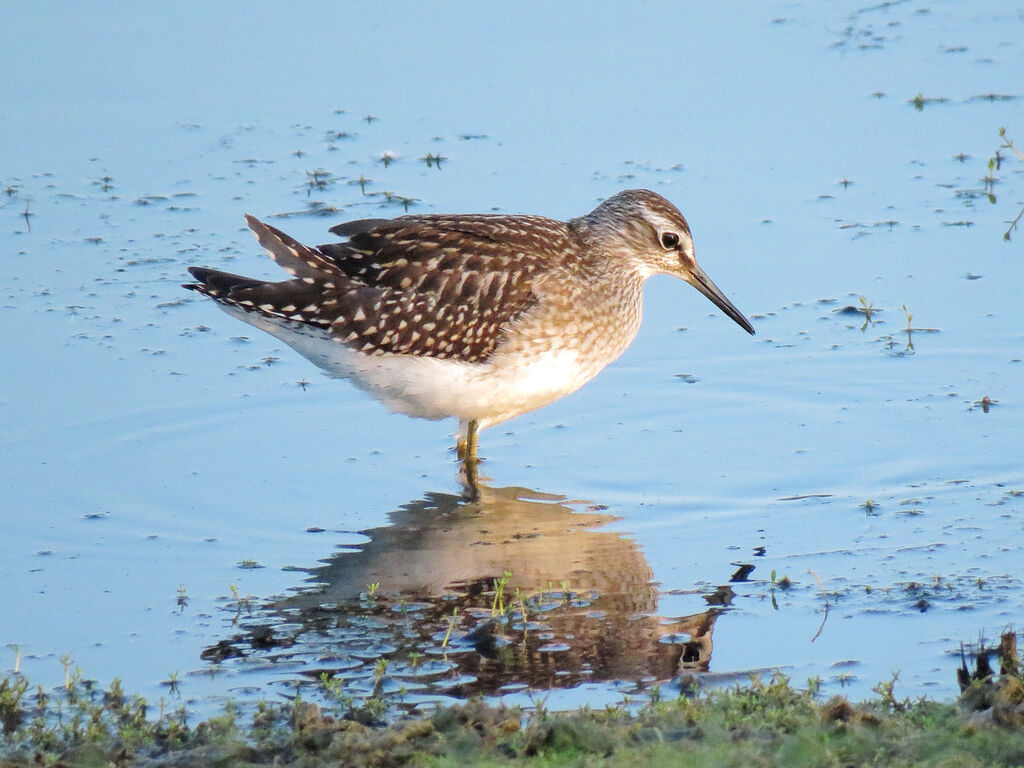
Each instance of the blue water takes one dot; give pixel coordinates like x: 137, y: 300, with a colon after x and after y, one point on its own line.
x: 152, y: 443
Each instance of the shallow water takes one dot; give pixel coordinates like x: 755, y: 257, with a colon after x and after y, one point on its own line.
x: 157, y: 452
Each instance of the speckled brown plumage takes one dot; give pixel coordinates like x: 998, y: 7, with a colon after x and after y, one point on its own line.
x: 481, y: 317
x: 440, y: 286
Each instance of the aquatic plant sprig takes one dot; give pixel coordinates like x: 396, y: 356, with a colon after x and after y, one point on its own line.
x: 910, y: 330
x: 17, y: 656
x: 448, y: 633
x: 498, y: 605
x: 866, y: 308
x: 432, y: 160
x: 994, y: 164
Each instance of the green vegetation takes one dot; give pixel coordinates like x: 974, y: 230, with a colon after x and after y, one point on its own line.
x: 765, y: 723
x: 866, y: 308
x: 995, y: 164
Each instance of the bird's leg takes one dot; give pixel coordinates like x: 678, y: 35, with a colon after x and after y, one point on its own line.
x: 468, y: 439
x: 466, y: 448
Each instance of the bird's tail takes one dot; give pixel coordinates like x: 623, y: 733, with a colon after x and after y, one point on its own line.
x: 291, y: 255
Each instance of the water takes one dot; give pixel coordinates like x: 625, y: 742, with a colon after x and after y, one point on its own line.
x: 156, y: 451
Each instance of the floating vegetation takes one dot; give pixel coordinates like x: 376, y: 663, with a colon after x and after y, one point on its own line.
x: 994, y: 166
x: 432, y: 160
x: 333, y: 136
x: 993, y: 97
x: 921, y: 101
x: 866, y: 309
x: 870, y: 506
x: 318, y: 179
x: 313, y: 208
x: 969, y: 195
x: 907, y: 348
x: 362, y: 181
x: 390, y: 198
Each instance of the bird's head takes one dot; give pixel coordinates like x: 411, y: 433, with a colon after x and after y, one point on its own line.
x: 650, y: 231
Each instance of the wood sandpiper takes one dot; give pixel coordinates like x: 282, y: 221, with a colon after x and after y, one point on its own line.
x: 481, y: 317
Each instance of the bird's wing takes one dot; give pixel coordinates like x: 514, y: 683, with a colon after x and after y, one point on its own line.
x: 437, y: 286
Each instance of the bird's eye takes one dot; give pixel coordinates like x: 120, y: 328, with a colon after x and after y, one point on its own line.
x: 669, y: 240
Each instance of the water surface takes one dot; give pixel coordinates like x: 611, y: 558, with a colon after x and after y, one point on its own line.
x: 160, y: 457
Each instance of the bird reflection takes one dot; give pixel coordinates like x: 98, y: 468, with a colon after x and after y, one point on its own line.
x: 506, y: 587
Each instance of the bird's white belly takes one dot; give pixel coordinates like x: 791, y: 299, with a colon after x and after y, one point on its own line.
x: 435, y: 388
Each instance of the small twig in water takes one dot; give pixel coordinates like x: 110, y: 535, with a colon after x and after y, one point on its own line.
x: 824, y: 595
x: 448, y: 633
x: 996, y: 162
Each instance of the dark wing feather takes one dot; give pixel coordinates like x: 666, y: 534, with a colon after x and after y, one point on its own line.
x: 438, y: 286
x: 349, y: 228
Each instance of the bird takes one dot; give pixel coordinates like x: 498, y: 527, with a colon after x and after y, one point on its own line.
x: 481, y: 317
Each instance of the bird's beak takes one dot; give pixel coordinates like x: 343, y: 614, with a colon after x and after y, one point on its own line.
x: 695, y: 276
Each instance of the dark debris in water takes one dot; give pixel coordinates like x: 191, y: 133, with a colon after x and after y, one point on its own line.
x: 995, y: 97
x: 313, y: 208
x: 851, y: 311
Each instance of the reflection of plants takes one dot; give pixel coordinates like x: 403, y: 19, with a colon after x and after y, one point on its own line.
x: 172, y: 683
x: 69, y: 679
x: 380, y: 669
x: 824, y: 596
x: 784, y: 583
x: 994, y: 166
x: 451, y: 625
x: 921, y: 100
x: 498, y: 606
x: 242, y: 603
x: 362, y: 181
x: 318, y: 179
x: 433, y: 160
x: 908, y: 348
x: 522, y: 609
x: 867, y: 308
x: 395, y: 199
